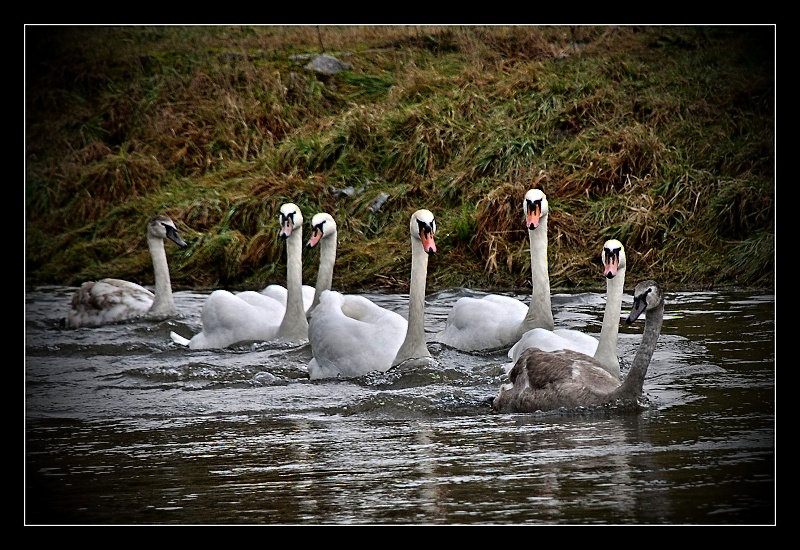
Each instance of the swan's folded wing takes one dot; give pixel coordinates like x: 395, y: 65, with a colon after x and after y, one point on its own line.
x: 559, y: 339
x: 578, y: 341
x: 107, y: 301
x: 483, y: 323
x: 268, y: 303
x: 351, y: 344
x: 280, y: 293
x: 107, y: 293
x: 228, y: 319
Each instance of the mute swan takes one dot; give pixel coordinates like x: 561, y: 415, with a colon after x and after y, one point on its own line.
x: 112, y: 300
x: 542, y: 380
x: 604, y: 349
x: 495, y: 321
x: 351, y: 336
x: 323, y: 229
x: 227, y: 318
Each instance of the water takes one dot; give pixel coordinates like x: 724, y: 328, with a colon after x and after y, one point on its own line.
x: 124, y: 427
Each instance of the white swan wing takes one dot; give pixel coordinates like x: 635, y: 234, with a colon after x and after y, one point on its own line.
x: 279, y: 293
x: 228, y: 319
x: 559, y: 339
x: 351, y: 336
x: 263, y: 301
x: 485, y: 323
x: 578, y: 341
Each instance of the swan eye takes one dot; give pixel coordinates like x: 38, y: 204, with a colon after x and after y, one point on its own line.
x: 642, y: 297
x: 319, y: 227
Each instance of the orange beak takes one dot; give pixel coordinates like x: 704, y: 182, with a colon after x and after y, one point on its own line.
x: 427, y: 241
x: 316, y: 236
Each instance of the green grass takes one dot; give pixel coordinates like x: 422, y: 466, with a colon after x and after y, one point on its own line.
x: 661, y: 137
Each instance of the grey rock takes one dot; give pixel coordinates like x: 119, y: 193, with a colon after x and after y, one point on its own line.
x: 327, y: 65
x: 378, y: 202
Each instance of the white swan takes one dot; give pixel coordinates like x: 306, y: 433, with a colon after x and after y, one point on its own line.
x: 542, y: 380
x: 604, y: 349
x: 323, y: 230
x: 227, y: 318
x: 495, y: 321
x: 112, y: 300
x: 351, y: 336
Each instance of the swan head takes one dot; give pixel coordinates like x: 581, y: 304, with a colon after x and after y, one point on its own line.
x: 535, y: 208
x: 613, y: 258
x: 290, y: 217
x: 646, y: 296
x: 161, y: 227
x: 423, y: 228
x: 323, y: 226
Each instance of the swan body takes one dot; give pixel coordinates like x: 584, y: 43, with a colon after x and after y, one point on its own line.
x: 495, y: 321
x: 107, y: 301
x: 351, y: 336
x: 542, y: 381
x: 323, y: 230
x: 228, y: 318
x: 604, y: 349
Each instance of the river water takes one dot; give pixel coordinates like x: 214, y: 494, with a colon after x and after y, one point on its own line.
x: 124, y: 427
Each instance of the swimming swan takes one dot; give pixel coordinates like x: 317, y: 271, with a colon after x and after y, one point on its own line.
x: 324, y: 231
x: 227, y: 318
x: 351, y: 336
x: 106, y: 301
x: 495, y: 321
x: 604, y: 349
x: 542, y: 380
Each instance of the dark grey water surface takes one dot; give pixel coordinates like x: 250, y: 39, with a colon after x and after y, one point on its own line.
x: 124, y: 427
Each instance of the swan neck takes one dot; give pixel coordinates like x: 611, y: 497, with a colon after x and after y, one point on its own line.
x: 327, y: 259
x: 633, y: 384
x: 414, y: 346
x: 163, y: 303
x: 607, y: 346
x: 540, y: 313
x: 294, y: 327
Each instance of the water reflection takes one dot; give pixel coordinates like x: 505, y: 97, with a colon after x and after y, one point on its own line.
x: 122, y: 426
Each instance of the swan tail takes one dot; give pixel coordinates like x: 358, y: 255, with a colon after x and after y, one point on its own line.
x: 178, y: 339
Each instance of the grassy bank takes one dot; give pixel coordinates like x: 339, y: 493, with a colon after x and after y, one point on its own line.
x: 661, y: 137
